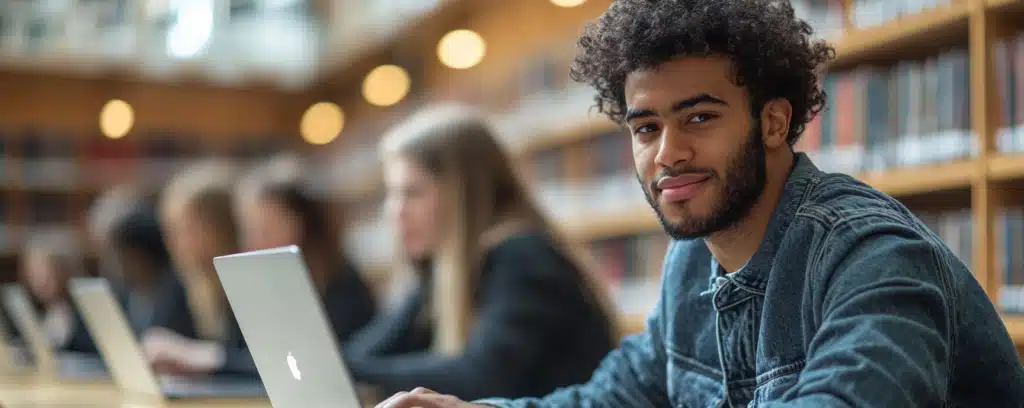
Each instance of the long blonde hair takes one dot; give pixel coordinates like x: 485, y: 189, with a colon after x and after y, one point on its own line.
x: 204, y: 190
x: 485, y: 202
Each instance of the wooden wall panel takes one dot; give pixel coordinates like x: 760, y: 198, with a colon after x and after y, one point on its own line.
x: 73, y: 104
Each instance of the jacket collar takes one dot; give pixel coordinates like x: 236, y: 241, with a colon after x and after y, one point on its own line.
x: 754, y: 275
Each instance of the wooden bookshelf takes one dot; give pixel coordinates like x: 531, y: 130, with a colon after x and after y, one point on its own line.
x: 917, y: 33
x: 1006, y: 167
x: 922, y: 179
x: 571, y: 134
x: 1002, y: 6
x: 174, y: 123
x: 1015, y: 325
x: 631, y: 222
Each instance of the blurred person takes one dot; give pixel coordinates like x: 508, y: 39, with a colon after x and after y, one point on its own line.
x: 111, y: 205
x: 48, y: 263
x: 784, y: 286
x: 153, y: 294
x: 278, y: 211
x: 197, y: 217
x: 505, y: 306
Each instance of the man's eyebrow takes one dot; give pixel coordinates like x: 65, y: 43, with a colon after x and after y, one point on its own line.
x: 697, y: 100
x: 633, y: 113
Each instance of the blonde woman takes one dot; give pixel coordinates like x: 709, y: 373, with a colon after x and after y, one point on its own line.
x: 197, y: 217
x: 505, y: 305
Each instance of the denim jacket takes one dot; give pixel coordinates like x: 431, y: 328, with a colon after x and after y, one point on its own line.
x: 850, y: 301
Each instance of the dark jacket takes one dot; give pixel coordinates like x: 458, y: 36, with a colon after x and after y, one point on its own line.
x: 850, y: 301
x: 536, y: 330
x: 349, y: 305
x: 169, y: 307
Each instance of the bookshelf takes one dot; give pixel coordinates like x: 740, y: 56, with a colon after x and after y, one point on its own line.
x: 964, y: 190
x: 54, y: 160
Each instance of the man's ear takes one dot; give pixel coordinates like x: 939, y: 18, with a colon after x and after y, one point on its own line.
x: 775, y: 118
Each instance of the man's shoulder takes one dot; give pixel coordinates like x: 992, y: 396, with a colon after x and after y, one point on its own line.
x: 852, y: 222
x: 834, y: 200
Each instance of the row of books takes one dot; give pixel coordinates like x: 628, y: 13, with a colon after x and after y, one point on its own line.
x: 912, y: 113
x: 37, y: 159
x: 630, y: 267
x: 826, y: 17
x: 609, y: 186
x: 24, y: 215
x: 909, y: 113
x: 1009, y: 66
x: 870, y: 13
x: 40, y: 143
x: 13, y: 236
x: 630, y: 258
x: 1010, y: 230
x: 955, y: 227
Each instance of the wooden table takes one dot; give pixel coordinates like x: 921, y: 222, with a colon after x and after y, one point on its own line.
x: 27, y: 391
x: 33, y: 391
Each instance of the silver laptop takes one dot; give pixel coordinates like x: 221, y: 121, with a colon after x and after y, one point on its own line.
x: 37, y: 352
x: 284, y: 324
x: 8, y: 363
x: 123, y: 354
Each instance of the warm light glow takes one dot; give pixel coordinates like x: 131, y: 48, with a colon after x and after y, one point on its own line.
x: 568, y: 3
x: 116, y: 119
x: 461, y: 49
x: 322, y: 123
x: 386, y: 85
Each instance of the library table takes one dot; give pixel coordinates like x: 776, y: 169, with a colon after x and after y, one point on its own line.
x: 25, y: 392
x: 29, y: 391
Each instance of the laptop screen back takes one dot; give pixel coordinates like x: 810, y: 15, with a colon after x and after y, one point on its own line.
x: 282, y: 318
x: 19, y: 304
x: 114, y: 339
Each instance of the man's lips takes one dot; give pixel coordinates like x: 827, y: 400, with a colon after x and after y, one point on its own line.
x: 682, y: 187
x: 665, y: 183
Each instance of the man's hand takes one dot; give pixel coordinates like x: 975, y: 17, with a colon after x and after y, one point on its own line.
x: 424, y: 398
x: 171, y: 353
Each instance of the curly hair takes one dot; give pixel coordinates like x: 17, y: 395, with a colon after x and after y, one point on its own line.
x: 770, y: 49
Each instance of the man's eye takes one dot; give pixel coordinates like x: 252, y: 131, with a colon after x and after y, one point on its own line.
x: 701, y: 117
x: 645, y: 129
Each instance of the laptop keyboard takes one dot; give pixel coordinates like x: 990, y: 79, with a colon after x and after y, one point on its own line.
x: 211, y: 387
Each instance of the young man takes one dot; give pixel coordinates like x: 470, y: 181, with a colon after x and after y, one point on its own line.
x: 784, y: 285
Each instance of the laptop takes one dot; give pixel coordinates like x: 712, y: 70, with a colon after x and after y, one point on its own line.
x: 284, y: 324
x: 8, y: 363
x: 37, y: 352
x: 128, y: 366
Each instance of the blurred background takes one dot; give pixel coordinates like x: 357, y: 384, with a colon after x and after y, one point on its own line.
x: 926, y: 103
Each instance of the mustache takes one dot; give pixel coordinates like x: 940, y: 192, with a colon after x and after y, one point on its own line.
x: 673, y: 172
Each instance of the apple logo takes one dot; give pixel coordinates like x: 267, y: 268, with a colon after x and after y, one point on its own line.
x: 293, y: 366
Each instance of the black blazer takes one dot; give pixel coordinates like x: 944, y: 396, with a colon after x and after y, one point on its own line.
x: 170, y: 306
x: 536, y: 331
x: 349, y: 305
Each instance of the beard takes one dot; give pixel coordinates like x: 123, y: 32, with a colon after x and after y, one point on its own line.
x: 741, y: 186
